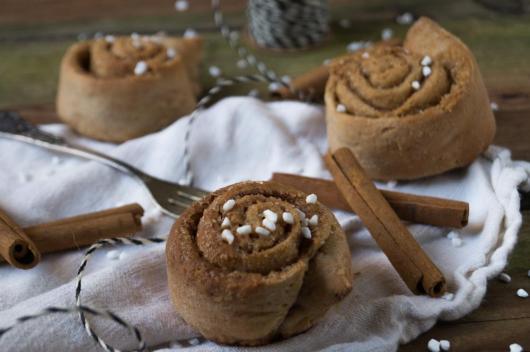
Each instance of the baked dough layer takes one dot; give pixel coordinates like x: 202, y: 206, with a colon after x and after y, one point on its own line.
x: 399, y: 132
x: 100, y: 95
x: 257, y: 288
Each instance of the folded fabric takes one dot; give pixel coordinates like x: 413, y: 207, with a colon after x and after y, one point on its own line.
x: 239, y: 139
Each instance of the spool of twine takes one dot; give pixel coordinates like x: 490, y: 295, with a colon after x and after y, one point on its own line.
x: 288, y: 24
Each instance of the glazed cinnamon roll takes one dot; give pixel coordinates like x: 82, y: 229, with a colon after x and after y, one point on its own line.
x: 256, y: 261
x: 118, y: 88
x: 410, y: 111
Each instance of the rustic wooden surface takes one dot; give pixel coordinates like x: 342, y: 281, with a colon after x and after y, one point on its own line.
x: 33, y: 37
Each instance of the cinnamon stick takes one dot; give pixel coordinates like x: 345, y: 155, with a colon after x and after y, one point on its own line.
x: 410, y: 207
x: 15, y: 245
x: 84, y: 230
x: 408, y: 258
x: 311, y: 83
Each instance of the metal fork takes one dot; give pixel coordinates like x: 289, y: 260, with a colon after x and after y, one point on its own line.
x: 172, y: 198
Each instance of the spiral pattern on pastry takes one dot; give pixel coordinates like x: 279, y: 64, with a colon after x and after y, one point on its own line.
x: 409, y: 111
x: 255, y: 287
x: 118, y: 88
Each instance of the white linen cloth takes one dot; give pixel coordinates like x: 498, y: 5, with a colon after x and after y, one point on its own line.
x: 238, y: 139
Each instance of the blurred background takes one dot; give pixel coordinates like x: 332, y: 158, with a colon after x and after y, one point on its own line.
x: 34, y: 34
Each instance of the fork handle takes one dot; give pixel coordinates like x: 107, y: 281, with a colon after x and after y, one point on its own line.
x: 13, y: 126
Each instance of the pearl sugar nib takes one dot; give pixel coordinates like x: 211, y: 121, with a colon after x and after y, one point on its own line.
x: 433, y: 345
x: 227, y: 236
x: 229, y: 204
x: 416, y: 85
x: 311, y: 199
x: 140, y: 68
x: 515, y: 347
x: 244, y: 230
x: 288, y: 218
x: 426, y: 60
x: 262, y: 231
x: 181, y: 5
x: 522, y: 293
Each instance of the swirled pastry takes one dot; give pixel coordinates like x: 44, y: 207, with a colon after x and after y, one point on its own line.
x: 256, y: 261
x: 410, y: 111
x: 118, y: 88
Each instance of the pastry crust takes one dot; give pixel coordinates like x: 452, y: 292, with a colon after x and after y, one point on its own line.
x: 100, y: 96
x: 257, y: 288
x: 398, y: 132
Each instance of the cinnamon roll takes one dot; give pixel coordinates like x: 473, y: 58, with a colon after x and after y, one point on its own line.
x: 410, y: 111
x: 256, y: 261
x: 118, y: 88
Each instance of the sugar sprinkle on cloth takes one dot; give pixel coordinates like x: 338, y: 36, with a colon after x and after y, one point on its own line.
x: 226, y: 147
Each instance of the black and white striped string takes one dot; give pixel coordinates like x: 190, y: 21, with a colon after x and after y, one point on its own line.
x: 84, y: 309
x: 311, y: 11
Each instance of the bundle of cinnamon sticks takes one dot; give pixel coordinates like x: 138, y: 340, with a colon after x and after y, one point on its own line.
x: 381, y: 212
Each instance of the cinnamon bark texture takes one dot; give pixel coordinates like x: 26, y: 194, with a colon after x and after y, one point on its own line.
x: 310, y: 84
x: 84, y: 230
x: 410, y: 207
x: 406, y: 255
x: 276, y: 279
x: 410, y: 111
x: 128, y: 86
x: 16, y: 247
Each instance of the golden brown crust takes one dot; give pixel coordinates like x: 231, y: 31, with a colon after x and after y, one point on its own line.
x: 100, y: 96
x: 258, y: 287
x: 396, y: 131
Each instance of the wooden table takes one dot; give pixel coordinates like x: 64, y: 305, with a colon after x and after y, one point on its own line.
x: 34, y: 36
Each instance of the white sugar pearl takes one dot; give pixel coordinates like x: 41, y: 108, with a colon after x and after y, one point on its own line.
x: 445, y: 345
x: 494, y: 106
x: 229, y: 204
x: 392, y: 184
x: 456, y: 242
x: 354, y: 46
x: 113, y: 254
x: 194, y: 342
x: 311, y: 199
x: 190, y: 33
x: 314, y: 220
x: 306, y: 232
x: 341, y: 108
x: 181, y: 5
x: 227, y: 236
x: 288, y: 218
x: 140, y: 68
x: 448, y: 296
x: 269, y: 214
x: 214, y: 71
x: 365, y: 55
x: 262, y: 231
x: 503, y: 277
x: 268, y: 223
x: 416, y: 85
x: 387, y: 34
x: 110, y: 38
x: 226, y: 223
x: 433, y: 345
x: 171, y: 53
x: 452, y: 235
x: 426, y: 71
x: 522, y: 293
x: 242, y: 64
x: 274, y: 86
x: 405, y: 18
x: 426, y: 61
x: 244, y: 230
x: 515, y: 347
